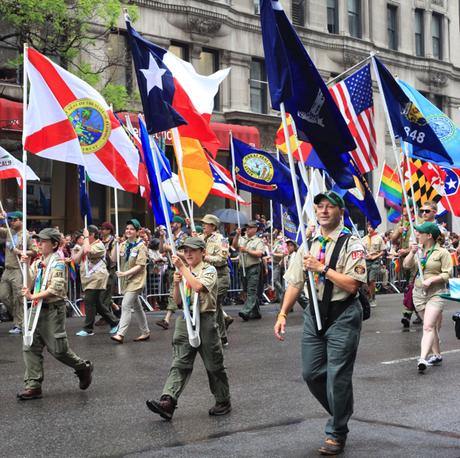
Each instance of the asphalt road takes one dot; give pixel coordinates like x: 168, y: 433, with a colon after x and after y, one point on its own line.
x: 398, y: 413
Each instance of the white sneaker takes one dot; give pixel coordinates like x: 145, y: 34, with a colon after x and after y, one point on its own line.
x: 422, y: 364
x: 373, y: 303
x: 435, y: 360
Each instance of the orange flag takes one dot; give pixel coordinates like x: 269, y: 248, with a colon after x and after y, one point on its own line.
x: 197, y: 173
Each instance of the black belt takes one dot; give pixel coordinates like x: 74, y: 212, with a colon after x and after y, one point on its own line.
x: 330, y: 312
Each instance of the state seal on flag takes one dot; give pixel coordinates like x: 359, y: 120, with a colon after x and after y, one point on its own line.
x: 90, y: 122
x: 443, y: 127
x: 258, y: 166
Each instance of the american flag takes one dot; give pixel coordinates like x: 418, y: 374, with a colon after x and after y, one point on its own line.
x: 223, y: 184
x: 354, y: 98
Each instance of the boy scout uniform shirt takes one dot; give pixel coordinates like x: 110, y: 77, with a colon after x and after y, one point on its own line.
x: 253, y: 243
x: 350, y: 262
x: 207, y: 275
x: 138, y: 256
x: 438, y: 263
x: 11, y: 260
x: 374, y: 244
x: 56, y: 283
x: 216, y: 249
x: 95, y: 259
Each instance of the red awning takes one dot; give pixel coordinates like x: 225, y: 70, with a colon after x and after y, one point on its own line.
x: 10, y: 115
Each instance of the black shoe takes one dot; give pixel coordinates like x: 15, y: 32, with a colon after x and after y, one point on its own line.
x: 243, y: 316
x: 29, y: 393
x: 255, y: 316
x: 405, y: 322
x: 85, y: 375
x: 164, y: 407
x: 224, y: 341
x: 221, y: 408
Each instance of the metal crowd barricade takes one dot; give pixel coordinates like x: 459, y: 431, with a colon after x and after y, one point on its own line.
x: 235, y: 281
x: 392, y: 275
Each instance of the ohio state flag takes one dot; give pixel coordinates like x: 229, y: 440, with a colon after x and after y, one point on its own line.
x: 68, y: 120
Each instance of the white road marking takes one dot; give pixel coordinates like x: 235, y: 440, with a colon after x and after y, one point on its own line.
x: 402, y: 360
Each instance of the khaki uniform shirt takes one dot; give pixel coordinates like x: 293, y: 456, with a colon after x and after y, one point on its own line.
x: 93, y: 270
x: 216, y: 249
x: 278, y: 251
x: 374, y: 244
x: 11, y: 260
x: 439, y: 263
x: 253, y: 243
x: 404, y: 239
x: 109, y: 244
x: 350, y: 262
x: 207, y: 275
x: 56, y: 282
x: 137, y: 257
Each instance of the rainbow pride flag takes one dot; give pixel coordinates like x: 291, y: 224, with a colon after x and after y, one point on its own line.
x: 394, y: 215
x: 390, y: 188
x: 72, y: 271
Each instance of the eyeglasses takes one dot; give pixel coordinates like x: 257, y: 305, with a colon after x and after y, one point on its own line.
x: 424, y: 210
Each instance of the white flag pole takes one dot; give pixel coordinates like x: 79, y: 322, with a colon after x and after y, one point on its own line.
x: 395, y: 153
x: 380, y: 180
x: 9, y: 232
x: 237, y: 204
x: 298, y: 204
x: 117, y: 232
x: 180, y: 158
x: 271, y: 243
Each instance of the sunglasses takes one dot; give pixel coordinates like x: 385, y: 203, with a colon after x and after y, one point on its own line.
x: 424, y: 210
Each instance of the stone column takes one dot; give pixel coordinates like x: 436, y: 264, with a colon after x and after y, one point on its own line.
x: 445, y: 39
x: 239, y: 81
x: 427, y: 30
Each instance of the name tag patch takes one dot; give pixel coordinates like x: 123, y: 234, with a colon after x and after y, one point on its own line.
x: 357, y: 255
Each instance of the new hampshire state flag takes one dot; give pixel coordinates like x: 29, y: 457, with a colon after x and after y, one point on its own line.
x: 442, y: 125
x: 260, y: 173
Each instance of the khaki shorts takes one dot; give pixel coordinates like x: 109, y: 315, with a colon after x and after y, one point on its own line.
x: 373, y: 270
x: 432, y: 300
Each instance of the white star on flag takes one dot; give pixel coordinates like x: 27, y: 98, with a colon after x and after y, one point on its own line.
x: 451, y: 184
x: 153, y: 74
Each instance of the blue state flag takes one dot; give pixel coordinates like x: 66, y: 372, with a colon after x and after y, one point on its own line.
x: 155, y: 201
x: 294, y: 80
x: 287, y: 219
x: 260, y: 173
x: 408, y: 121
x: 442, y: 125
x: 85, y: 206
x: 361, y: 196
x: 156, y: 84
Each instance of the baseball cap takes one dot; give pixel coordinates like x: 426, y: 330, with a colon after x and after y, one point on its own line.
x: 429, y: 228
x: 252, y: 223
x: 15, y: 215
x: 332, y: 197
x: 107, y: 225
x: 193, y: 242
x: 178, y: 219
x: 48, y: 234
x: 211, y: 219
x: 135, y: 223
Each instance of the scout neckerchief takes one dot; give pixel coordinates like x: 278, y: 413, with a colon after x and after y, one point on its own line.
x: 425, y: 257
x: 321, y: 257
x: 130, y: 246
x: 41, y: 280
x: 369, y: 243
x: 192, y: 320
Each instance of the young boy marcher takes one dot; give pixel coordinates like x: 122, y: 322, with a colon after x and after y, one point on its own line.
x: 200, y: 278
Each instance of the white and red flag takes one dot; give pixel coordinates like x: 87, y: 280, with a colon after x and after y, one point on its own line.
x: 353, y: 96
x: 10, y: 167
x: 68, y: 120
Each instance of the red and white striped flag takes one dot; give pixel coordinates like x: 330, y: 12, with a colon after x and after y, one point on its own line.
x: 10, y: 167
x: 223, y: 184
x: 68, y: 120
x: 353, y: 96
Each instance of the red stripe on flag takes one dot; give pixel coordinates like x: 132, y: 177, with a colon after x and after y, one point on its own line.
x: 53, y: 79
x: 49, y: 136
x: 10, y: 173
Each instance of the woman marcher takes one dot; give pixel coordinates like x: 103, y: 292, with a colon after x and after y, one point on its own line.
x: 436, y: 266
x: 133, y: 274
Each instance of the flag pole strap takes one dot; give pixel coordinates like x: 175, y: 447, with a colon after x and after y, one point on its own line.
x: 193, y: 324
x: 395, y: 153
x: 298, y: 204
x: 237, y: 204
x: 348, y: 70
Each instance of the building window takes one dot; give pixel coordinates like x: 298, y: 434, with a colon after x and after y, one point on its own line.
x: 419, y: 33
x: 256, y: 7
x: 208, y: 64
x: 354, y: 18
x: 179, y: 50
x: 332, y: 16
x: 392, y: 26
x: 436, y: 35
x: 298, y: 12
x: 258, y: 86
x: 438, y: 100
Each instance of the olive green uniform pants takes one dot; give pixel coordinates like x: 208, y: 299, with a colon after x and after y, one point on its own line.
x: 50, y: 332
x: 251, y: 285
x: 223, y: 283
x: 10, y: 294
x: 184, y: 355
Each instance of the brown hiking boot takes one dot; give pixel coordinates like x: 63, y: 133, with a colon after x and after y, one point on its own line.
x: 29, y: 393
x: 85, y: 375
x: 221, y: 408
x: 332, y: 447
x: 162, y: 323
x: 164, y: 407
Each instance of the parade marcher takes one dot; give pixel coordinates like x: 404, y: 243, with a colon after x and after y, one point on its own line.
x: 201, y: 278
x: 375, y: 249
x: 133, y: 274
x: 93, y: 278
x: 217, y: 255
x: 436, y: 265
x: 12, y: 281
x: 251, y: 249
x: 48, y: 281
x: 165, y: 247
x: 328, y: 356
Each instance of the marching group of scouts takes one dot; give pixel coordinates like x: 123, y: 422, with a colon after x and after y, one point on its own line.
x: 328, y: 355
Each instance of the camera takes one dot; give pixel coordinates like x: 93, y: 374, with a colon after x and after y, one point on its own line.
x: 456, y: 318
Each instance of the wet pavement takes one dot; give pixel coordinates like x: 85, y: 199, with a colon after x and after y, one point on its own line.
x: 398, y: 413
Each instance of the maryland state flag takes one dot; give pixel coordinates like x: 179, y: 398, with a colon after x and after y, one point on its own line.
x: 426, y: 181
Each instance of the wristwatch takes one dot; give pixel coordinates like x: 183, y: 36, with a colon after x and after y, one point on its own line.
x: 324, y: 271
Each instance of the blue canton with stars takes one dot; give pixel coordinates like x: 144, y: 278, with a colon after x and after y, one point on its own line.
x: 359, y: 86
x: 451, y: 181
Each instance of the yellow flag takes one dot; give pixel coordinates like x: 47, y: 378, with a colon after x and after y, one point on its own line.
x: 197, y: 173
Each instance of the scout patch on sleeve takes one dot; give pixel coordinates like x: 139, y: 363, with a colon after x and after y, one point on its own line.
x: 357, y: 254
x: 59, y: 266
x: 360, y: 270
